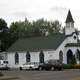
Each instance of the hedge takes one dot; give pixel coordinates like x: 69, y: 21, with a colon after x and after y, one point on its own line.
x: 67, y: 66
x: 1, y: 74
x: 76, y: 66
x: 70, y: 66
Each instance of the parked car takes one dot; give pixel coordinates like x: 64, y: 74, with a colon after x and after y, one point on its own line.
x: 29, y: 66
x: 4, y: 65
x: 51, y: 65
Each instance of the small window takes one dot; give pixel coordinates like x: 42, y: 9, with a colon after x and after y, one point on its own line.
x: 74, y: 37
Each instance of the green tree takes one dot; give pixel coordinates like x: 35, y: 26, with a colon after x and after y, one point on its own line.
x: 50, y: 26
x: 55, y: 26
x: 36, y: 28
x: 21, y: 28
x: 3, y: 34
x: 3, y: 24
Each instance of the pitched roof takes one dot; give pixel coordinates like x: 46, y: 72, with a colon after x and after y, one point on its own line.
x: 69, y: 17
x: 37, y: 43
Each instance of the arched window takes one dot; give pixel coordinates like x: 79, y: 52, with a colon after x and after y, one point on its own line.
x: 69, y: 56
x: 16, y: 58
x: 78, y: 54
x: 41, y: 57
x: 28, y: 57
x: 1, y: 57
x: 61, y: 56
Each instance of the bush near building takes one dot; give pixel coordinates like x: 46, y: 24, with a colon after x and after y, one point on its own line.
x: 71, y: 66
x: 1, y: 74
x: 67, y: 66
x: 76, y: 66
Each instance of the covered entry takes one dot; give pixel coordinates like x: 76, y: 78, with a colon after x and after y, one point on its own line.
x: 69, y: 56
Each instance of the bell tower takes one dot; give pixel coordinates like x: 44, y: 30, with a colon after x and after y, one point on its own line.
x: 69, y: 28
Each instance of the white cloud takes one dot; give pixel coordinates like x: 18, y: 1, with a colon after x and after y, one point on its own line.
x: 12, y: 10
x: 20, y: 14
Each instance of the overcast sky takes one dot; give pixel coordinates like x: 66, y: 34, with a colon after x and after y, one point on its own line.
x: 15, y: 10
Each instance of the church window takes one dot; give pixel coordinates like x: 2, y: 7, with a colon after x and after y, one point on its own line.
x: 69, y: 57
x: 41, y: 57
x: 78, y: 54
x: 1, y: 57
x: 16, y: 58
x: 61, y: 56
x: 74, y: 37
x: 28, y: 57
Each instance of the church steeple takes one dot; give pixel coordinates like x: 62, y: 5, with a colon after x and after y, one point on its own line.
x: 69, y: 18
x: 69, y: 28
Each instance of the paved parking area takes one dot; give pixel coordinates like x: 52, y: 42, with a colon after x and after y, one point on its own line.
x: 44, y: 75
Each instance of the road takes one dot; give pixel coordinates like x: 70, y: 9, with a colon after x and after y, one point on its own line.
x: 44, y: 75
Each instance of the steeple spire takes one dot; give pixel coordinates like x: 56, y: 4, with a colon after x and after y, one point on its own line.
x: 69, y: 18
x: 69, y: 28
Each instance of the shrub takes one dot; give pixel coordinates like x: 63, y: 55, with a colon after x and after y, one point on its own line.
x: 67, y: 66
x: 1, y: 74
x: 76, y: 66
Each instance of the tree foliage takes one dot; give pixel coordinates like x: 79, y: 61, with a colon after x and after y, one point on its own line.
x: 6, y: 37
x: 25, y: 29
x: 3, y: 34
x: 35, y: 28
x: 3, y: 24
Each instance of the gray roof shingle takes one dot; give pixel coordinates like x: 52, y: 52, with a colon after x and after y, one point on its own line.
x: 37, y: 43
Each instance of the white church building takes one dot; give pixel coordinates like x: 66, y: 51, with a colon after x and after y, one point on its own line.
x: 39, y: 49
